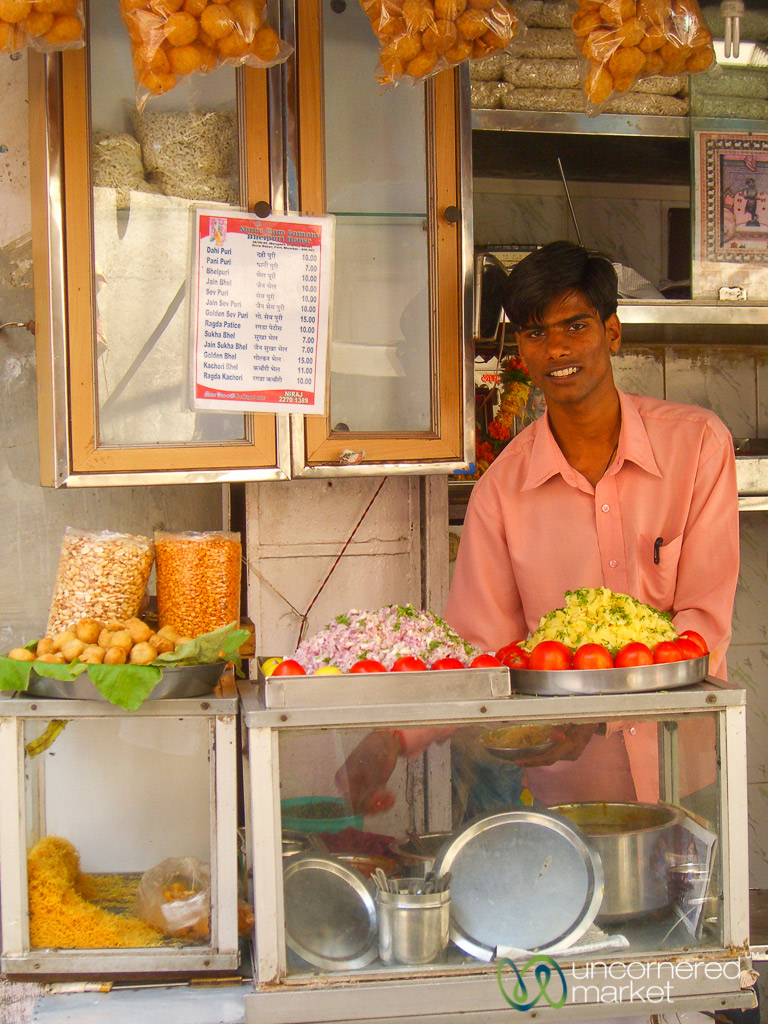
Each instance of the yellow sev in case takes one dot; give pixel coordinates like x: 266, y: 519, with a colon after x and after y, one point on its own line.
x: 61, y: 914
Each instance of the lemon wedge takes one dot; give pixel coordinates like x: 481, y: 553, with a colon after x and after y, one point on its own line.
x: 269, y: 666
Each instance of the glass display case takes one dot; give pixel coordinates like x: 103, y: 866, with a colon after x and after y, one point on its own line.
x: 116, y: 188
x: 626, y: 861
x: 118, y: 836
x: 393, y: 167
x: 114, y: 193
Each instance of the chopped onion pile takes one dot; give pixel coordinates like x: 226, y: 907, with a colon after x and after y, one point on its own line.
x: 386, y: 635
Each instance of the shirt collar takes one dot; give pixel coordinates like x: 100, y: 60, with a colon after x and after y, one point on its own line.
x: 547, y: 460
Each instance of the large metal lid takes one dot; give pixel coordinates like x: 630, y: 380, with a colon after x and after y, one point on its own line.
x: 330, y: 913
x: 521, y: 880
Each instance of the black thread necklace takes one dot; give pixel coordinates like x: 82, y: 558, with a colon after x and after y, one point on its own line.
x: 610, y: 459
x: 615, y: 449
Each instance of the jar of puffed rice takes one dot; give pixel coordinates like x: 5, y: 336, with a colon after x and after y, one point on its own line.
x: 198, y: 580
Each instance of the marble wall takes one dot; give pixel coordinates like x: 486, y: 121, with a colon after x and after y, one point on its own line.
x: 628, y: 223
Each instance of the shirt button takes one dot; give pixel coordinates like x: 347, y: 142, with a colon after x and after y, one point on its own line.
x: 605, y: 508
x: 632, y: 731
x: 613, y: 563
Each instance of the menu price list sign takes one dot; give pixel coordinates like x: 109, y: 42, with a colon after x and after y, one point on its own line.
x: 261, y: 312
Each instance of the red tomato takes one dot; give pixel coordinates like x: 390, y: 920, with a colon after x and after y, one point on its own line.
x: 289, y: 667
x: 368, y: 665
x: 485, y: 661
x: 691, y: 634
x: 513, y: 656
x: 590, y: 656
x: 634, y: 654
x: 665, y: 652
x: 551, y: 656
x: 688, y: 648
x: 409, y: 663
x: 446, y: 663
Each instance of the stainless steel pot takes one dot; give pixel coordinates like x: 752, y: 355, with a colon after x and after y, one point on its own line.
x: 636, y: 843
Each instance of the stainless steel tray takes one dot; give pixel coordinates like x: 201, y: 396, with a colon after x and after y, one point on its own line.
x: 176, y: 681
x: 520, y: 880
x: 330, y: 913
x: 639, y: 679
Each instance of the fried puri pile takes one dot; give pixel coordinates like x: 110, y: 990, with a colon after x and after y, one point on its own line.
x: 624, y: 40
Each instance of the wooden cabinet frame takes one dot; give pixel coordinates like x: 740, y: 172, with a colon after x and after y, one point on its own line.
x: 70, y: 453
x: 316, y: 449
x: 281, y: 147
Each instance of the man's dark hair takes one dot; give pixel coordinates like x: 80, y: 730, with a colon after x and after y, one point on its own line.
x: 556, y: 269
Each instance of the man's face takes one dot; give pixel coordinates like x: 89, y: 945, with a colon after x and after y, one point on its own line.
x: 568, y: 354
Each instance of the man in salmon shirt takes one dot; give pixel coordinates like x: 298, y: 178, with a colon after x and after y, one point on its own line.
x: 609, y: 490
x: 581, y: 498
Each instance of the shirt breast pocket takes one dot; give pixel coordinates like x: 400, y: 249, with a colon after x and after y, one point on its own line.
x: 658, y: 578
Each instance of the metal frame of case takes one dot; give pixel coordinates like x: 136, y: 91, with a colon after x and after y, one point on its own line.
x: 17, y: 955
x: 469, y: 995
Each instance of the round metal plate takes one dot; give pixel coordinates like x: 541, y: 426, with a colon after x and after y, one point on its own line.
x: 515, y: 753
x: 330, y: 913
x: 521, y: 880
x: 178, y: 681
x: 638, y: 679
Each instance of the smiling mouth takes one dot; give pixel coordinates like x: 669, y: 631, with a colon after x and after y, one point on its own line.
x: 566, y: 371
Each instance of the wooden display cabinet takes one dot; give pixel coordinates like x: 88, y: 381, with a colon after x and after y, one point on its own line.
x: 112, y: 254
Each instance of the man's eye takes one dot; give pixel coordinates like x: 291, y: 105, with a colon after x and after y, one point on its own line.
x: 579, y: 325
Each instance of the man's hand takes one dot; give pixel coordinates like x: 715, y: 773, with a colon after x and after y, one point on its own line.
x: 365, y: 773
x: 569, y: 746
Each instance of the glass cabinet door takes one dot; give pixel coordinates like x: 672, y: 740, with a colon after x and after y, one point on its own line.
x: 113, y: 319
x: 387, y: 165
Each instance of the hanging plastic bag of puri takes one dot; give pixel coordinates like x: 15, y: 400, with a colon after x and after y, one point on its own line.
x: 174, y: 38
x: 45, y: 25
x: 623, y: 41
x: 418, y: 38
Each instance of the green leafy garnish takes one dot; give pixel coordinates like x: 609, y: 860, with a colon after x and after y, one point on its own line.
x: 128, y: 686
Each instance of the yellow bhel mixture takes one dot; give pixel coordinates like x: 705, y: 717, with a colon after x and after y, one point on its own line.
x: 596, y: 615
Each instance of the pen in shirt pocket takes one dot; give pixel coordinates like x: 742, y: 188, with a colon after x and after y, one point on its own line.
x: 656, y: 549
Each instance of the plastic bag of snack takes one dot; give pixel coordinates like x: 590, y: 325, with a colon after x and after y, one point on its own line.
x: 174, y: 38
x: 175, y: 897
x: 418, y: 38
x: 101, y: 575
x: 623, y: 41
x: 198, y: 580
x: 45, y: 25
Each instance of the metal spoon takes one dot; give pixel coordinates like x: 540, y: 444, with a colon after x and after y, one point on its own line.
x: 381, y: 880
x: 428, y: 884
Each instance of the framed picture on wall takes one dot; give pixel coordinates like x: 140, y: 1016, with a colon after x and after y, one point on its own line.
x: 730, y: 216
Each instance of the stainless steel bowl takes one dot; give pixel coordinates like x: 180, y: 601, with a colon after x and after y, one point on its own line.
x: 294, y: 842
x: 636, y: 843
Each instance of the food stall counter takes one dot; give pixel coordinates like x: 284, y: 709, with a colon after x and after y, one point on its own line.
x: 492, y: 889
